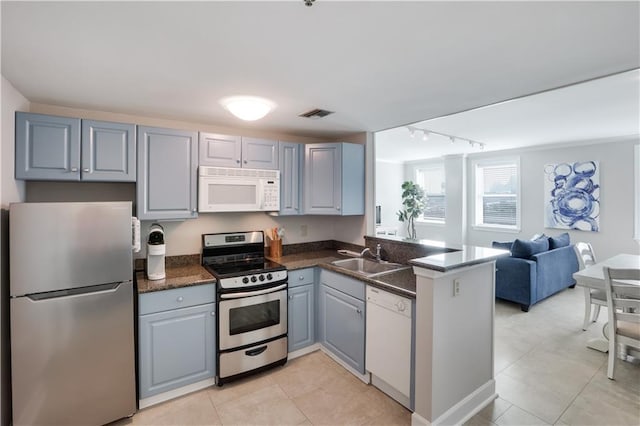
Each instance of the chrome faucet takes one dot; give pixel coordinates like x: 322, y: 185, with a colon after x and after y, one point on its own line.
x: 368, y: 250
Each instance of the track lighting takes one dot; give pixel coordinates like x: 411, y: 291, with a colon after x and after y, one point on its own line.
x: 426, y: 133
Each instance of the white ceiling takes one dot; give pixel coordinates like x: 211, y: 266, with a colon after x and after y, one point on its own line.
x: 603, y: 110
x: 377, y: 64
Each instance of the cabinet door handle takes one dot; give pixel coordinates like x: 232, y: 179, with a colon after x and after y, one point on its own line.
x: 337, y: 207
x: 290, y: 297
x: 301, y: 277
x: 194, y: 210
x: 74, y: 169
x: 213, y: 314
x: 180, y: 299
x: 359, y: 311
x: 85, y: 170
x: 245, y: 161
x: 238, y: 161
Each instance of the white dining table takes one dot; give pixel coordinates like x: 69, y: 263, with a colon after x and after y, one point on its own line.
x: 593, y: 277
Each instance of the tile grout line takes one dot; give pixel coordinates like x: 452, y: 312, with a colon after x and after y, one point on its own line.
x: 579, y: 392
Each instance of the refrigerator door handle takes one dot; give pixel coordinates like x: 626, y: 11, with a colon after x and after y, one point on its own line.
x: 95, y: 289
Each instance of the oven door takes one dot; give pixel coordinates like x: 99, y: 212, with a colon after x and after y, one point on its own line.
x: 247, y: 318
x: 222, y: 194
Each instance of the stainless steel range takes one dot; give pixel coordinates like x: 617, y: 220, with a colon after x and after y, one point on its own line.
x: 252, y: 304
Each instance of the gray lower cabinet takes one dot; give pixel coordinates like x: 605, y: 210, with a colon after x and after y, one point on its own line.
x: 176, y: 347
x: 334, y: 179
x: 69, y: 149
x: 341, y: 318
x: 167, y: 174
x: 301, y: 309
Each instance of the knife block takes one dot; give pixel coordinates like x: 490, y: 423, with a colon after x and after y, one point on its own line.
x: 275, y: 249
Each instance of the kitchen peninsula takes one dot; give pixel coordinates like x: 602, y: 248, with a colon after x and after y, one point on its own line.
x: 454, y: 373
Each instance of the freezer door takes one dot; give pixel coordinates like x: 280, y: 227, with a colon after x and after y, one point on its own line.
x: 55, y: 246
x: 72, y: 357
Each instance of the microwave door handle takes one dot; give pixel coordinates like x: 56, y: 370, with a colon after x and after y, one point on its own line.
x: 260, y: 195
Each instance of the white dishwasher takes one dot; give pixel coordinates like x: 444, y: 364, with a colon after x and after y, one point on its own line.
x: 388, y: 343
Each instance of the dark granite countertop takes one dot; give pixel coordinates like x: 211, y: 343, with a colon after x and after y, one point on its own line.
x: 402, y: 282
x: 177, y: 276
x: 467, y: 256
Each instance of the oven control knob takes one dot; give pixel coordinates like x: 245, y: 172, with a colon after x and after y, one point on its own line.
x: 269, y: 277
x: 245, y: 280
x: 253, y: 279
x: 261, y: 277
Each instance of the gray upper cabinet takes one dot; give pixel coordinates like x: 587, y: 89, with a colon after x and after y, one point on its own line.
x: 290, y: 160
x: 259, y: 153
x: 220, y: 150
x: 108, y: 151
x: 61, y: 148
x: 47, y: 147
x: 334, y: 179
x: 167, y: 174
x: 236, y: 151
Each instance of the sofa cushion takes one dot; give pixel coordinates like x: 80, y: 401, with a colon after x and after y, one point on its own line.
x: 561, y: 240
x: 524, y: 249
x: 502, y: 245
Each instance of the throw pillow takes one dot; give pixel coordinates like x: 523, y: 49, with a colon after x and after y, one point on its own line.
x: 525, y: 249
x: 561, y: 240
x: 501, y: 245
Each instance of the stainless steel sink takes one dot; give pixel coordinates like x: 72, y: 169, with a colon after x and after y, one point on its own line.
x: 368, y: 268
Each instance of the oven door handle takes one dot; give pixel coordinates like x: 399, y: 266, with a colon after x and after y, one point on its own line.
x: 252, y: 293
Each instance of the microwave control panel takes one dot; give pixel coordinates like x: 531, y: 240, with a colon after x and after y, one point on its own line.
x: 271, y: 195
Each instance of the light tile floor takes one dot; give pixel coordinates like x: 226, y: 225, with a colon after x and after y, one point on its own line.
x: 545, y: 374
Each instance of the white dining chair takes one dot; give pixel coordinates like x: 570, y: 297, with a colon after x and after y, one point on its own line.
x: 624, y: 311
x: 586, y: 257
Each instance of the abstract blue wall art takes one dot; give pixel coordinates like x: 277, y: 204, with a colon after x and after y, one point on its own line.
x: 572, y: 196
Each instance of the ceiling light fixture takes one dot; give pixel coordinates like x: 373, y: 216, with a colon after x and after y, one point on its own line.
x: 248, y: 108
x: 425, y: 136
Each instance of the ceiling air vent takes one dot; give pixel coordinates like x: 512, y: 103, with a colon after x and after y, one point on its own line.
x: 316, y: 113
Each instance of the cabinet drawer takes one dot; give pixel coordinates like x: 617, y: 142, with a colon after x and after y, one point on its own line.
x: 347, y: 285
x: 166, y: 300
x: 301, y: 277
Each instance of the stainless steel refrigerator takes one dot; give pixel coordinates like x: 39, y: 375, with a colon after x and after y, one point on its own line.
x: 72, y: 318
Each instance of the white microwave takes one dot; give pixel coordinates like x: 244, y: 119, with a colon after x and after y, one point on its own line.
x: 222, y: 189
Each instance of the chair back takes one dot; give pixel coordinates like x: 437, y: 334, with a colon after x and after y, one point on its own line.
x: 584, y: 253
x: 623, y: 299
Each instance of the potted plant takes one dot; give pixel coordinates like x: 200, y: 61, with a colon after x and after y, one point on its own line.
x: 414, y: 202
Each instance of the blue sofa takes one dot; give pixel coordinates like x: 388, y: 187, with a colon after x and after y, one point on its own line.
x: 535, y: 270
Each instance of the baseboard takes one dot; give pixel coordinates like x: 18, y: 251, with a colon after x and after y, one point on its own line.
x: 364, y: 377
x: 175, y: 393
x: 391, y: 391
x: 463, y: 410
x: 304, y: 351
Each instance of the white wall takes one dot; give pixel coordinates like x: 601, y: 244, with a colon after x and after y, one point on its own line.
x: 389, y: 179
x: 616, y: 195
x: 10, y: 191
x: 12, y: 101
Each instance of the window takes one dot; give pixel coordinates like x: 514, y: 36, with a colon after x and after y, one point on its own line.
x: 432, y: 179
x: 497, y: 201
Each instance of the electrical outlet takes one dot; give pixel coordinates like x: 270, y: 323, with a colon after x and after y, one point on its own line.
x: 303, y: 230
x: 456, y: 287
